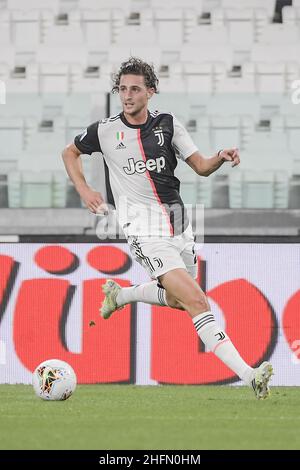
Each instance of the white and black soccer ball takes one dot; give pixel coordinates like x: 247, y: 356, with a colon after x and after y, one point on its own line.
x: 54, y: 380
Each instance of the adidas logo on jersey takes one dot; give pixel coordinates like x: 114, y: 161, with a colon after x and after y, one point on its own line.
x: 120, y: 146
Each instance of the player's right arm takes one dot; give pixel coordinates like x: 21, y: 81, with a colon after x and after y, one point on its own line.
x: 84, y: 143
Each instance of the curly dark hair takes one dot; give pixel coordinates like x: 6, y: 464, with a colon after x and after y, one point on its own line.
x: 136, y: 66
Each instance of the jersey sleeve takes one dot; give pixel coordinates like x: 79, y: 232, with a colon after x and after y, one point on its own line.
x: 182, y: 142
x: 88, y: 141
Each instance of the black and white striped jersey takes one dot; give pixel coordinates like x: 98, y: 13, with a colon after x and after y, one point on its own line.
x: 141, y: 160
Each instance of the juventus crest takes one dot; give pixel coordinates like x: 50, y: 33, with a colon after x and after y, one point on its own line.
x: 159, y: 134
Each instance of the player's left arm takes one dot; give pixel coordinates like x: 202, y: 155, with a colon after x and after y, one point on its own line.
x: 205, y: 166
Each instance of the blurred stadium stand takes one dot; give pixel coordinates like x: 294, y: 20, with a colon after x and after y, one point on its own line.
x: 227, y: 69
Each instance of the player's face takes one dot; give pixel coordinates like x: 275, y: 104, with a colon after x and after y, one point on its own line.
x: 134, y: 94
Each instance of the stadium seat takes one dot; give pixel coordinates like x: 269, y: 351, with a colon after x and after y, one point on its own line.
x: 289, y: 104
x: 268, y: 150
x: 67, y: 55
x: 220, y: 191
x: 3, y: 190
x: 36, y: 190
x: 59, y: 189
x: 197, y: 104
x: 14, y: 189
x: 281, y: 34
x: 188, y: 182
x: 204, y: 191
x: 269, y: 5
x: 196, y: 5
x: 247, y: 131
x: 118, y: 20
x: 20, y: 103
x: 169, y: 27
x: 240, y: 79
x: 195, y: 26
x: 5, y: 29
x: 26, y: 27
x: 193, y: 189
x: 198, y: 77
x: 137, y: 28
x: 225, y: 132
x: 94, y: 78
x: 241, y: 27
x: 54, y: 78
x: 162, y: 102
x: 62, y: 29
x: 277, y: 123
x: 294, y: 190
x: 251, y: 190
x: 244, y: 104
x: 84, y: 105
x: 171, y: 79
x: 2, y: 89
x: 33, y: 5
x: 75, y: 126
x: 211, y: 53
x: 262, y: 20
x: 268, y: 53
x: 258, y: 190
x: 208, y: 35
x: 267, y: 166
x: 98, y: 5
x: 142, y: 35
x: 190, y: 21
x: 11, y: 138
x: 42, y: 161
x: 292, y: 74
x: 270, y: 78
x: 292, y: 124
x: 97, y: 28
x: 21, y: 79
x: 8, y: 55
x: 38, y: 155
x: 29, y: 189
x: 281, y: 190
x: 289, y: 15
x: 202, y: 136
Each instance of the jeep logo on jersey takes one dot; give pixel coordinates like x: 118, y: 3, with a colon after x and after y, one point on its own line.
x: 158, y: 132
x: 140, y: 166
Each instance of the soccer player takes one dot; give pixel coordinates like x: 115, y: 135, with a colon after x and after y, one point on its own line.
x: 141, y: 149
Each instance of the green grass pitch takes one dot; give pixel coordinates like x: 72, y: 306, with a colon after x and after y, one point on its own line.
x: 162, y: 417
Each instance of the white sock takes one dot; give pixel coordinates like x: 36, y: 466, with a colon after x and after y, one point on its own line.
x: 149, y: 293
x: 220, y: 344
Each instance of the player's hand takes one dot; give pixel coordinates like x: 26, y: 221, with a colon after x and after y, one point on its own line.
x: 231, y: 155
x: 93, y: 201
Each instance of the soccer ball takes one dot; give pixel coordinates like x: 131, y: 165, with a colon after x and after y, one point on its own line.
x: 54, y: 380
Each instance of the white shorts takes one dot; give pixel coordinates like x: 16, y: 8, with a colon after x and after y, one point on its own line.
x: 158, y: 255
